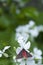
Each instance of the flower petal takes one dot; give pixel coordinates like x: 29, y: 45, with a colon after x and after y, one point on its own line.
x: 5, y: 48
x: 25, y: 36
x: 31, y: 23
x: 1, y: 52
x: 21, y: 41
x: 31, y: 62
x: 34, y: 32
x: 22, y: 63
x: 19, y: 60
x: 39, y: 52
x: 5, y: 54
x: 14, y: 58
x: 35, y: 50
x: 27, y: 46
x: 37, y: 57
x: 0, y: 55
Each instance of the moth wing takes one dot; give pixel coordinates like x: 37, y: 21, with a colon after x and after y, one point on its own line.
x: 19, y: 55
x: 28, y: 54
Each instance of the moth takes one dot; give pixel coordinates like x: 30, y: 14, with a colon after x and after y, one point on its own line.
x: 23, y: 54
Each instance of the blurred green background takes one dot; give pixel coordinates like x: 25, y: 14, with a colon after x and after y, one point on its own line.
x: 14, y: 13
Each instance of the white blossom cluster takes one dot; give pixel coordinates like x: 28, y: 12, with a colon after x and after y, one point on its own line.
x: 23, y: 33
x: 29, y: 31
x: 36, y: 54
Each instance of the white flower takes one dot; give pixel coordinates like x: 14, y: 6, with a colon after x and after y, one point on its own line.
x: 31, y: 23
x: 2, y: 52
x: 31, y: 62
x: 28, y: 61
x: 37, y: 53
x: 34, y: 32
x: 40, y: 28
x: 27, y: 31
x: 39, y: 62
x: 25, y: 36
x: 23, y: 28
x: 22, y: 44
